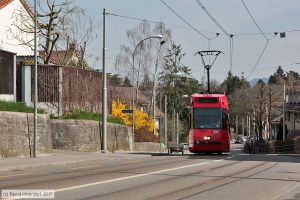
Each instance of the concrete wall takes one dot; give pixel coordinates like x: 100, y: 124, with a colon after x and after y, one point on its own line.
x: 7, y: 97
x: 84, y: 135
x: 16, y: 130
x: 146, y: 147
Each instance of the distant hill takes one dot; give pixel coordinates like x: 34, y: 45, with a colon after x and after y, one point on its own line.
x: 254, y: 81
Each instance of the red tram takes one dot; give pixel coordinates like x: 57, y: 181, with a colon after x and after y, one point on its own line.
x: 209, y: 131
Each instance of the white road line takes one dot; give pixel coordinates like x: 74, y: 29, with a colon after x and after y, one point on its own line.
x: 87, y: 166
x: 14, y: 175
x: 131, y: 161
x: 229, y: 157
x: 218, y: 160
x: 127, y: 177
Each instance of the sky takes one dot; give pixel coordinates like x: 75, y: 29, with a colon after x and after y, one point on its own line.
x: 270, y: 15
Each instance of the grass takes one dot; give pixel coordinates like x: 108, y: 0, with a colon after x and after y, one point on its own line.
x: 89, y: 116
x: 17, y: 107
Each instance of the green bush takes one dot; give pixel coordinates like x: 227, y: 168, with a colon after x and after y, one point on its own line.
x: 17, y: 107
x: 77, y: 114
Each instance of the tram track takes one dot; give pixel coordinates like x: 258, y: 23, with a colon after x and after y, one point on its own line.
x: 216, y: 179
x: 70, y: 175
x: 166, y: 180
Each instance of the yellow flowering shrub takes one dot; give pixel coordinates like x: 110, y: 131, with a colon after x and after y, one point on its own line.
x: 142, y: 121
x: 117, y: 108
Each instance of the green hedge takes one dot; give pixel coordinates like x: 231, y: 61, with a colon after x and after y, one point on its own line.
x: 17, y: 107
x: 88, y: 116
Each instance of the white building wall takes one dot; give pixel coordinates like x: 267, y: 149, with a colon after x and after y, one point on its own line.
x: 8, y: 16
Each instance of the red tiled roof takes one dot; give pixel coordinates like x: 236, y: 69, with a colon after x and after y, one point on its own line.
x: 61, y: 56
x: 4, y: 3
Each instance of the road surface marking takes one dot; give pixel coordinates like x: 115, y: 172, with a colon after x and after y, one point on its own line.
x: 229, y: 157
x: 13, y: 175
x: 87, y: 166
x: 218, y: 160
x: 132, y: 161
x: 128, y: 177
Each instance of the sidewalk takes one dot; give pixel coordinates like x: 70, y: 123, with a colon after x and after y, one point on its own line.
x: 59, y: 157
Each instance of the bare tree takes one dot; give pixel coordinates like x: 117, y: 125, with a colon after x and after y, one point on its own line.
x: 273, y: 95
x: 78, y: 33
x: 146, y: 52
x: 52, y: 16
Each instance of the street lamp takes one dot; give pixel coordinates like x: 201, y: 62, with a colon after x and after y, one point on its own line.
x: 134, y: 51
x: 154, y: 88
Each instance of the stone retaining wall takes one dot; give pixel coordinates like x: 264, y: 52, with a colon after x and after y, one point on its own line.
x: 16, y: 134
x: 84, y: 135
x: 146, y: 147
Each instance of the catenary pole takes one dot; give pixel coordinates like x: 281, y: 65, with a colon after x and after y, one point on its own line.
x: 283, y: 115
x: 166, y: 120
x: 104, y: 93
x: 35, y: 83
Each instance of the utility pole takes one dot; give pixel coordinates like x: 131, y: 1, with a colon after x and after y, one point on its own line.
x: 267, y: 124
x: 155, y: 82
x: 243, y: 126
x: 166, y: 121
x: 177, y: 126
x: 104, y: 93
x: 249, y: 124
x: 236, y: 125
x: 173, y: 127
x: 160, y: 122
x: 35, y: 83
x: 283, y: 117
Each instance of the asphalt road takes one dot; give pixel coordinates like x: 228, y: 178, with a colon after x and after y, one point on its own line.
x: 230, y: 176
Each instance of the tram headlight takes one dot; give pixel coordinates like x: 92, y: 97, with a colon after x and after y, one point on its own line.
x: 207, y: 138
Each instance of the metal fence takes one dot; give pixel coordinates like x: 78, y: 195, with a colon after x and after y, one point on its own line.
x: 274, y: 147
x: 64, y: 88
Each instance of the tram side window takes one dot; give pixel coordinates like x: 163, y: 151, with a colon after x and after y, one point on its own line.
x: 191, y: 121
x: 224, y: 119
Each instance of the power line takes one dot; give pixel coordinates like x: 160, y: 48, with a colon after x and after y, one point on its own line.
x: 211, y: 17
x: 254, y: 20
x: 158, y: 22
x: 190, y: 25
x: 261, y: 55
x: 264, y: 68
x: 267, y: 40
x: 201, y: 30
x: 220, y: 27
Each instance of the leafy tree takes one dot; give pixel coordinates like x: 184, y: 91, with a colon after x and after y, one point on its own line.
x: 175, y: 81
x: 292, y: 79
x: 146, y: 85
x: 232, y: 83
x: 127, y: 82
x: 115, y: 80
x: 294, y: 74
x: 272, y: 79
x: 278, y: 77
